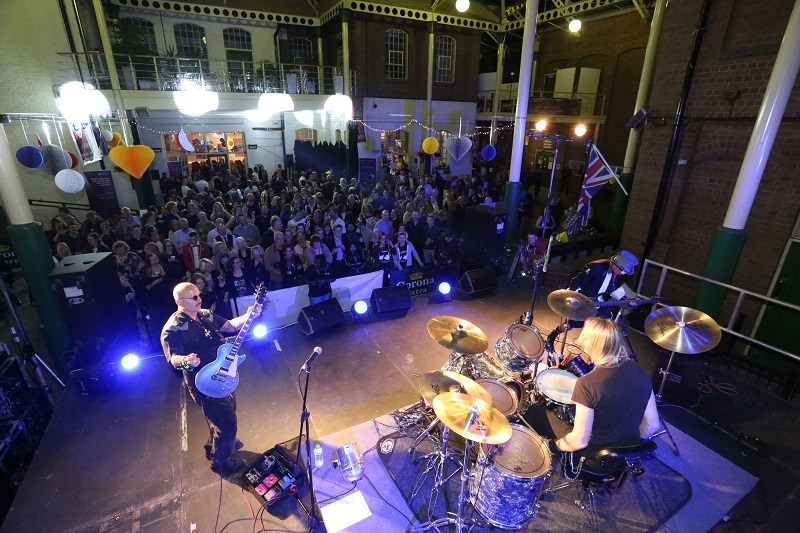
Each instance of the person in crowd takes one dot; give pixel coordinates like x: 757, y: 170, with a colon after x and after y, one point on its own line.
x: 430, y: 236
x: 447, y: 251
x: 91, y: 224
x: 73, y: 238
x: 258, y: 270
x: 173, y: 260
x: 242, y: 250
x: 406, y: 251
x: 292, y: 270
x: 272, y: 262
x: 354, y: 260
x: 193, y: 251
x: 190, y: 338
x: 180, y: 236
x: 302, y: 246
x: 545, y: 227
x: 204, y: 226
x: 208, y: 296
x: 131, y: 267
x: 238, y: 282
x: 221, y: 257
x: 247, y: 230
x: 320, y: 276
x: 533, y: 252
x: 62, y: 251
x: 385, y: 225
x: 220, y: 234
x: 94, y: 244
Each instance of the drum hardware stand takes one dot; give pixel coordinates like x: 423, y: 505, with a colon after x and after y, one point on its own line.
x: 435, y: 461
x: 666, y: 375
x: 459, y: 521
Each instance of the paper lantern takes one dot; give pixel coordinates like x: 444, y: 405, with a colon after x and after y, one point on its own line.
x: 30, y: 156
x: 55, y: 159
x: 458, y: 146
x: 133, y: 159
x: 230, y: 143
x: 430, y: 145
x: 116, y: 138
x: 75, y: 160
x: 70, y: 181
x: 488, y: 152
x: 107, y: 135
x: 183, y: 140
x: 562, y: 237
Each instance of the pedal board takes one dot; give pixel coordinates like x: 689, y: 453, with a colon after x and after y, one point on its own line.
x: 271, y: 476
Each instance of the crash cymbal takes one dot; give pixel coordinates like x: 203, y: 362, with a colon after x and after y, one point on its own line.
x: 457, y: 335
x: 472, y: 418
x: 571, y: 304
x: 435, y: 383
x: 682, y: 330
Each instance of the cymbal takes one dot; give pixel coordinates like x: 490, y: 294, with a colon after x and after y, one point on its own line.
x: 682, y: 330
x: 472, y: 418
x: 571, y: 304
x: 457, y: 335
x: 435, y: 383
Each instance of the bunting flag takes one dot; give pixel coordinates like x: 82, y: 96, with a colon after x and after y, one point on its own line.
x: 598, y: 174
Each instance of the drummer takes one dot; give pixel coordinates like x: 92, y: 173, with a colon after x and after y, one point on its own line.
x: 614, y: 404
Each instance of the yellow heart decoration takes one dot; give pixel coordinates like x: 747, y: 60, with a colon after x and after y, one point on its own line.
x: 132, y: 159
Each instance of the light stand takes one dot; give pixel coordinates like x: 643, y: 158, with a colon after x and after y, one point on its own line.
x: 304, y: 426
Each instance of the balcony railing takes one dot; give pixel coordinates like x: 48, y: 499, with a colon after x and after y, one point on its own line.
x: 161, y: 73
x: 546, y: 103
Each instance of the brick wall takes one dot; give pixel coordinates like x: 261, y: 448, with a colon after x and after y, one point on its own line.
x: 736, y: 59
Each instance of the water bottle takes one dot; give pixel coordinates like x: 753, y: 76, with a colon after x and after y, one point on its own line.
x: 318, y: 459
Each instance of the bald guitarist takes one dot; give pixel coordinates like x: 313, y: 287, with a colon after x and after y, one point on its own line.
x: 190, y: 339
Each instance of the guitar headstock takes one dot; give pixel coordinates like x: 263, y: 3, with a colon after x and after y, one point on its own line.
x: 261, y: 293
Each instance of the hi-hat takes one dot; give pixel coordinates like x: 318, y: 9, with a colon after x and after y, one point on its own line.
x: 457, y: 335
x: 435, y: 383
x: 571, y: 305
x: 472, y: 418
x: 682, y: 330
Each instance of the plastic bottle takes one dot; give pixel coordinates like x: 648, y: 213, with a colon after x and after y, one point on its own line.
x: 319, y: 460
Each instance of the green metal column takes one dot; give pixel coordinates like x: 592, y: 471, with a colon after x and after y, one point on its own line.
x: 514, y: 192
x: 722, y: 260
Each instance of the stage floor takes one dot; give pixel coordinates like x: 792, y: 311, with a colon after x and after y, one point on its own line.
x: 132, y: 459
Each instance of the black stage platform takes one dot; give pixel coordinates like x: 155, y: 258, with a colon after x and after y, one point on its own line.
x: 132, y: 459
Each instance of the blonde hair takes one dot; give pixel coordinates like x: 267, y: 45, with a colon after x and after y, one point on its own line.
x: 603, y: 341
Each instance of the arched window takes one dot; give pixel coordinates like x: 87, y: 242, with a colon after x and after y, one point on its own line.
x: 238, y: 51
x: 302, y: 51
x: 396, y: 54
x: 445, y: 50
x: 190, y: 41
x: 139, y: 33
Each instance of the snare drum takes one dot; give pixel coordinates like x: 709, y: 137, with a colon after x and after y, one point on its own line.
x: 508, y: 396
x: 506, y: 488
x: 556, y: 386
x: 519, y: 348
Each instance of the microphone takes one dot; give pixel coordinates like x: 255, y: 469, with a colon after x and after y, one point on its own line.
x: 314, y: 354
x: 547, y: 255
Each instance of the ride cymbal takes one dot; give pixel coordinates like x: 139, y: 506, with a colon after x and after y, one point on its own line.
x: 457, y: 335
x: 682, y: 330
x: 437, y: 382
x: 571, y: 304
x: 472, y: 418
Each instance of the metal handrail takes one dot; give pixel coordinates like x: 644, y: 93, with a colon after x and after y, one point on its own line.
x: 595, y: 101
x: 665, y: 269
x: 164, y: 73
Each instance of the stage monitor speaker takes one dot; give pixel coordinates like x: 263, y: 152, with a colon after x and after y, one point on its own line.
x: 479, y: 280
x: 323, y: 315
x: 484, y: 228
x: 391, y: 302
x: 90, y: 296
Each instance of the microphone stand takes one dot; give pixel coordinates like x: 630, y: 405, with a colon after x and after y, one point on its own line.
x: 304, y: 426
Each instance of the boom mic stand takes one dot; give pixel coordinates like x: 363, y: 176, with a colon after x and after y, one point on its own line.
x: 304, y: 426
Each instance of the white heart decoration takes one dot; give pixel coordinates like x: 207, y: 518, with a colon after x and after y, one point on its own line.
x: 184, y: 141
x: 458, y: 146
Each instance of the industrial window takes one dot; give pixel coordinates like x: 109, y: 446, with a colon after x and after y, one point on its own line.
x: 302, y: 51
x: 396, y: 55
x: 144, y: 34
x: 238, y: 51
x: 445, y: 71
x: 190, y: 41
x: 235, y: 38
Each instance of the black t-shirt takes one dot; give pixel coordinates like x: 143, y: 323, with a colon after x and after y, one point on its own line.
x: 619, y: 396
x: 181, y: 336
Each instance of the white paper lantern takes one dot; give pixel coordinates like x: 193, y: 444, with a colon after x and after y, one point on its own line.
x: 70, y: 181
x: 458, y: 146
x: 108, y: 135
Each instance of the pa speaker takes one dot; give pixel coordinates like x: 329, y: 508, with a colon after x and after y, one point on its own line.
x: 316, y: 317
x: 486, y: 229
x: 479, y: 280
x: 391, y: 302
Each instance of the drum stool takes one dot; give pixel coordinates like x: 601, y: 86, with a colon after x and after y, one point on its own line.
x: 611, y: 467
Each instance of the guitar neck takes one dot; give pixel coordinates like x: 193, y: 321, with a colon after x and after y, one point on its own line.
x: 617, y: 303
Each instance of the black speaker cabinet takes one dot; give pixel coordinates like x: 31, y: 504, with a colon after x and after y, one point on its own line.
x: 479, y: 280
x: 484, y: 234
x: 391, y: 302
x: 90, y: 296
x: 316, y: 317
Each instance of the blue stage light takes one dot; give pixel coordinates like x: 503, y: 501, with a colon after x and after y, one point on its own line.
x: 444, y: 288
x: 260, y: 331
x: 130, y: 361
x: 360, y: 307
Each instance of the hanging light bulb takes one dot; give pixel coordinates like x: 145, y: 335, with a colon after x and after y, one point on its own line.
x: 580, y: 130
x: 540, y: 125
x: 574, y: 25
x: 462, y: 5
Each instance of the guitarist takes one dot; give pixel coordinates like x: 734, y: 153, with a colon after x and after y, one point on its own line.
x: 599, y: 280
x: 190, y: 339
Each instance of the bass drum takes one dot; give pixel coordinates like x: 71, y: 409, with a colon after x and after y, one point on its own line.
x: 520, y: 347
x: 508, y: 479
x: 508, y: 396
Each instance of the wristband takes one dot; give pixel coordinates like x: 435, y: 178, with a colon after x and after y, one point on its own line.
x: 185, y: 365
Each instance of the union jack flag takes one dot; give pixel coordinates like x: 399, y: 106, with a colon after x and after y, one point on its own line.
x: 597, y: 175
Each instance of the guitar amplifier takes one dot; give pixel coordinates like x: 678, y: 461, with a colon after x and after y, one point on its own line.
x: 272, y: 475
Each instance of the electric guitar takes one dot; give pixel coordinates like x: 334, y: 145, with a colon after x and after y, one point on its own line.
x: 221, y: 377
x: 635, y: 301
